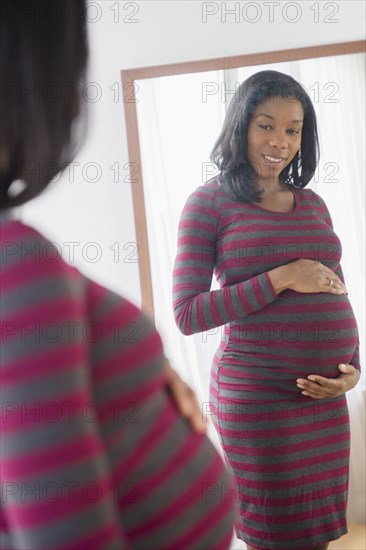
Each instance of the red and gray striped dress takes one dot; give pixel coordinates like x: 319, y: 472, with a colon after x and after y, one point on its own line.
x: 289, y: 452
x: 94, y: 454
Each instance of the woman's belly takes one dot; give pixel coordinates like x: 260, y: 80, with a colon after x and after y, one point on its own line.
x: 295, y: 336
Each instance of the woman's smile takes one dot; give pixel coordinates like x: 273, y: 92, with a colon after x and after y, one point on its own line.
x: 274, y: 161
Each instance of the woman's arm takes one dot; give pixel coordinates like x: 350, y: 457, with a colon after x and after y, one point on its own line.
x: 196, y: 307
x: 57, y: 488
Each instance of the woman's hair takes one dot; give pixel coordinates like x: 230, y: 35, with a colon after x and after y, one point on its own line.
x: 229, y: 153
x: 44, y: 56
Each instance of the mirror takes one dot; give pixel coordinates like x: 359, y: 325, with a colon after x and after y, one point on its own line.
x: 174, y: 113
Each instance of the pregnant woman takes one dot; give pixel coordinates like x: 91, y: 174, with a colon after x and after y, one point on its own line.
x: 289, y: 346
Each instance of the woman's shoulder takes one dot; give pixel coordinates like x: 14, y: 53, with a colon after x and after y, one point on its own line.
x: 207, y: 195
x: 25, y: 248
x: 34, y: 271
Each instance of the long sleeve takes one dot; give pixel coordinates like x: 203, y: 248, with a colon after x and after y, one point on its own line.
x: 55, y: 473
x: 196, y: 307
x: 355, y: 361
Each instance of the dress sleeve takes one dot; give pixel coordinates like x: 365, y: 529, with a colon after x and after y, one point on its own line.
x: 56, y: 485
x: 355, y: 361
x: 196, y: 307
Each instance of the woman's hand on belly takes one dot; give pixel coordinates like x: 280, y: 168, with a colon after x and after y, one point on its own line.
x: 306, y: 276
x: 318, y: 387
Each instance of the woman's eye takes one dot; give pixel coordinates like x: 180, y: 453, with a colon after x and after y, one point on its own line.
x: 292, y: 131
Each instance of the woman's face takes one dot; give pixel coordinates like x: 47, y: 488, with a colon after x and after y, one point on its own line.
x: 274, y: 136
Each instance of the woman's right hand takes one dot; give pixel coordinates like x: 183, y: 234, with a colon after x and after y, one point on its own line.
x: 306, y: 276
x: 312, y: 276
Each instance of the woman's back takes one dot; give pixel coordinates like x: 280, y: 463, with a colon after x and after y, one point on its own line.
x: 94, y: 452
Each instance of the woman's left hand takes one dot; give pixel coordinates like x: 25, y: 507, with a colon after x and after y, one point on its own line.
x: 186, y: 400
x: 318, y: 387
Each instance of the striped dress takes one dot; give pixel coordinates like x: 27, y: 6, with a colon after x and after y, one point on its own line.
x: 94, y: 453
x: 289, y: 452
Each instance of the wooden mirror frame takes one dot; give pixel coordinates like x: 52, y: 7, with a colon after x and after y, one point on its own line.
x: 130, y: 89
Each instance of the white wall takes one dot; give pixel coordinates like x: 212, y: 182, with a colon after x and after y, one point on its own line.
x: 80, y: 211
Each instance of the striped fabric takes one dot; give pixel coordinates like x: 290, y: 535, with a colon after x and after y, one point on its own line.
x: 289, y: 452
x: 94, y: 454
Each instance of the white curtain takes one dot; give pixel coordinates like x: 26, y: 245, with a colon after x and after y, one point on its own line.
x: 179, y: 119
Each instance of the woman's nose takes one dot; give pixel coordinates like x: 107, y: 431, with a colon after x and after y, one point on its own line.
x: 278, y: 140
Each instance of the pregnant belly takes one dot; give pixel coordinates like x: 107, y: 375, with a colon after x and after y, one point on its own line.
x: 297, y: 333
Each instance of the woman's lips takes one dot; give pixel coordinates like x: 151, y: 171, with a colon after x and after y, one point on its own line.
x: 273, y: 161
